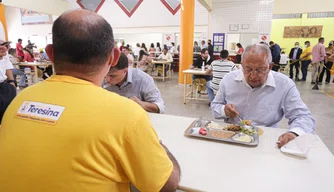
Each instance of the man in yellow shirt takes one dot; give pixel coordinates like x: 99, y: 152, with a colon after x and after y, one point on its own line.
x: 68, y: 134
x: 306, y: 58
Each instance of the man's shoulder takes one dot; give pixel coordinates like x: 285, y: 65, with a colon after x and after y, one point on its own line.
x: 140, y: 75
x: 282, y: 80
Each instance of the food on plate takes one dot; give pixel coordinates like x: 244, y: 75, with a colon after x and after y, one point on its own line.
x: 245, y: 122
x: 244, y: 138
x: 221, y: 134
x: 202, y: 131
x: 214, y: 125
x: 232, y: 127
x: 250, y: 131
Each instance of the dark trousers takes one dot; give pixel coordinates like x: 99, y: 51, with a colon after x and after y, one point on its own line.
x: 7, y: 94
x: 327, y: 69
x: 276, y: 66
x: 305, y: 65
x: 295, y: 65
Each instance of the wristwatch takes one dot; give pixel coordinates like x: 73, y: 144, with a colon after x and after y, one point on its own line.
x: 11, y: 81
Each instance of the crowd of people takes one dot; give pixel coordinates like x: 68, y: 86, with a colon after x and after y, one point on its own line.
x: 320, y: 57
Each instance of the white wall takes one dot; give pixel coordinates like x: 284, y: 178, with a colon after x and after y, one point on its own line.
x: 17, y: 30
x: 53, y: 7
x: 257, y: 14
x: 302, y: 6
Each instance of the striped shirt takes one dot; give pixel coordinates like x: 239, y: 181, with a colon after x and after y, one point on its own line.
x: 219, y: 69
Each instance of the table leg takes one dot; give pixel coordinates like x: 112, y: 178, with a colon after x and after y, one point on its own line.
x: 185, y: 86
x: 170, y: 71
x: 53, y: 70
x: 163, y: 72
x: 36, y: 74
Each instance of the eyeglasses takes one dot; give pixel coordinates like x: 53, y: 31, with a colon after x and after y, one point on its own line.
x: 257, y: 72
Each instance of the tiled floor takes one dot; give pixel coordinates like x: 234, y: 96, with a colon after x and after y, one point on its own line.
x: 320, y: 102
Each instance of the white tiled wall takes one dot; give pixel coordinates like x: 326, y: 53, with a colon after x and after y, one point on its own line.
x: 257, y: 14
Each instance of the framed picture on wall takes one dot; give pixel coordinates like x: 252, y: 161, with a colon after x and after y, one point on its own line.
x: 245, y: 26
x: 234, y: 27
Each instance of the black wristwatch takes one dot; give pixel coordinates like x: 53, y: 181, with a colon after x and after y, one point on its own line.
x: 11, y: 81
x: 294, y: 133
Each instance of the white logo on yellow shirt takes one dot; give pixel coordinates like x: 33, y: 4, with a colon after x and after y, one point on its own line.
x: 40, y: 112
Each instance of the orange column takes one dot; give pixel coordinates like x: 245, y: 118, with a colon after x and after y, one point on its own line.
x: 3, y: 19
x: 186, y: 36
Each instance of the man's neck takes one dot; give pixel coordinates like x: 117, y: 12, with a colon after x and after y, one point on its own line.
x: 123, y: 80
x: 96, y: 79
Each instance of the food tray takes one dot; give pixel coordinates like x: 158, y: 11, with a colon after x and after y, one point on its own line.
x: 220, y: 134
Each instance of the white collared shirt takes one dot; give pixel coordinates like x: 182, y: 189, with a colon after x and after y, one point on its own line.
x: 5, y: 64
x: 265, y: 105
x: 167, y: 57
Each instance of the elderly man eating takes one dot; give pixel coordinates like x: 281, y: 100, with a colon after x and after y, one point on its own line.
x: 263, y: 96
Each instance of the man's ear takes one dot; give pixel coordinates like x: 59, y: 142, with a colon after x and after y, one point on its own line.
x: 271, y: 65
x: 49, y: 52
x: 114, y: 56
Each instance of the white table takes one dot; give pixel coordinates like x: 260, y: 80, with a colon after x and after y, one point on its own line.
x: 35, y: 64
x: 169, y: 75
x: 217, y: 166
x: 190, y: 96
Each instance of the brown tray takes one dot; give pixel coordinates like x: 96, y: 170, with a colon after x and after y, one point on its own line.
x: 203, y: 123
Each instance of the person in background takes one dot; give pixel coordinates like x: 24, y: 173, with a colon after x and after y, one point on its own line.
x: 284, y: 59
x: 28, y: 57
x: 122, y: 46
x: 172, y: 50
x: 306, y: 59
x: 328, y: 63
x: 7, y: 82
x: 178, y: 48
x: 318, y: 56
x: 218, y: 69
x: 164, y: 56
x: 136, y: 85
x: 294, y: 56
x: 144, y: 62
x: 197, y: 48
x: 152, y: 50
x: 126, y: 51
x: 210, y: 48
x: 239, y: 52
x: 45, y: 57
x: 16, y: 71
x: 30, y: 47
x: 203, y: 45
x: 143, y: 47
x: 200, y: 80
x: 158, y: 49
x: 136, y: 50
x: 165, y: 47
x: 276, y: 55
x: 19, y: 50
x: 262, y: 95
x: 112, y: 142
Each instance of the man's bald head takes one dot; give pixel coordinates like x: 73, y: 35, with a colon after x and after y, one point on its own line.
x: 82, y: 41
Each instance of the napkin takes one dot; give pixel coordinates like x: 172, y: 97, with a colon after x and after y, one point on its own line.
x: 300, y: 146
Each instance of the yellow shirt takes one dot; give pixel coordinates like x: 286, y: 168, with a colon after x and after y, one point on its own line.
x: 68, y: 135
x: 307, y: 50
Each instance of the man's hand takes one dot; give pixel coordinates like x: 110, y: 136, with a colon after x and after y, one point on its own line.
x: 285, y: 138
x: 231, y: 111
x: 135, y: 99
x: 13, y: 84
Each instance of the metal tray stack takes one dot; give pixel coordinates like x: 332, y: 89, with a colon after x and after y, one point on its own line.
x: 219, y: 134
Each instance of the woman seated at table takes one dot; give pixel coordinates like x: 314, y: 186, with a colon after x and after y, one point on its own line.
x: 144, y: 62
x: 28, y: 57
x: 152, y: 50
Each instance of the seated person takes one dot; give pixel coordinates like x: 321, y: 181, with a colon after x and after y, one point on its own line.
x: 126, y: 51
x: 136, y: 85
x: 144, y: 62
x: 87, y: 139
x: 200, y: 80
x: 263, y: 96
x: 218, y: 69
x: 164, y: 56
x: 28, y: 57
x: 16, y: 70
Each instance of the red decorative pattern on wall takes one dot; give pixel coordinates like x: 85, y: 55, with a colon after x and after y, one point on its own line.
x: 97, y: 8
x: 173, y: 11
x: 128, y: 13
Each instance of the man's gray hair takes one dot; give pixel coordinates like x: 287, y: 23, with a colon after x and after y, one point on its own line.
x: 257, y: 49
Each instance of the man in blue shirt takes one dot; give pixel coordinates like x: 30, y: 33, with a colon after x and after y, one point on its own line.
x: 275, y: 54
x: 263, y: 96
